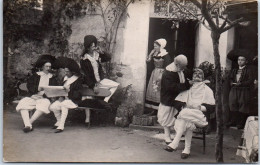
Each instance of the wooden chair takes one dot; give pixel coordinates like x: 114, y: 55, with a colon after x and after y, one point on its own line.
x: 203, y: 137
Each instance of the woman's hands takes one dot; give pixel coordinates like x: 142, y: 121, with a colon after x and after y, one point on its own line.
x: 99, y: 50
x: 153, y: 52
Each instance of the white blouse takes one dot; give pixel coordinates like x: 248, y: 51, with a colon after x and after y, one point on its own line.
x: 44, y: 80
x: 94, y: 64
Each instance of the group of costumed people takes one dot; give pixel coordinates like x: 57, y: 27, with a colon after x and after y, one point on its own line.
x: 72, y: 82
x: 181, y: 103
x: 187, y: 104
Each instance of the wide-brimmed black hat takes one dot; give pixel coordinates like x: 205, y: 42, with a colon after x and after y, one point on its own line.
x: 88, y: 40
x: 249, y: 54
x: 44, y: 59
x: 235, y: 53
x: 65, y: 62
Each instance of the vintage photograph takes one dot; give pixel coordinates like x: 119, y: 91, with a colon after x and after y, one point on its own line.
x: 130, y: 81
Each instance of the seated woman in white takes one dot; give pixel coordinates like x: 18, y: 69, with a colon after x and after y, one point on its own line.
x: 38, y: 99
x: 72, y: 84
x: 199, y: 98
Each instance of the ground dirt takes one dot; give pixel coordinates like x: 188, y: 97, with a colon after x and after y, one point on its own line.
x: 99, y: 144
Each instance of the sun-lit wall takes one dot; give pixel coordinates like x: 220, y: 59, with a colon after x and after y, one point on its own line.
x: 131, y: 45
x: 204, y: 46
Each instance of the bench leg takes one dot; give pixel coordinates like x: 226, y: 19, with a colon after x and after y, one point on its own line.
x: 87, y: 120
x: 204, y: 140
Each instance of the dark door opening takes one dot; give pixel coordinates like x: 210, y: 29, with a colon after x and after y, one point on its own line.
x: 179, y: 41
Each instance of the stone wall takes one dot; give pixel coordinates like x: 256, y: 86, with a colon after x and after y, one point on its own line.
x: 204, y: 46
x: 128, y: 61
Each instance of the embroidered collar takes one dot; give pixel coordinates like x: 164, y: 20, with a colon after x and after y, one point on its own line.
x: 70, y: 80
x: 242, y: 67
x: 41, y: 73
x: 173, y: 68
x: 90, y: 58
x: 207, y: 98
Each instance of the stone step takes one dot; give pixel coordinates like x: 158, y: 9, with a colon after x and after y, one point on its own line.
x: 232, y: 131
x: 156, y: 127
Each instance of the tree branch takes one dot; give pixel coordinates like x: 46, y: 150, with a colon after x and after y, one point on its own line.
x: 196, y: 3
x: 228, y: 21
x: 182, y: 6
x: 232, y: 24
x: 108, y: 6
x: 207, y: 27
x: 205, y: 13
x: 103, y: 16
x: 224, y: 24
x: 213, y: 5
x: 217, y: 20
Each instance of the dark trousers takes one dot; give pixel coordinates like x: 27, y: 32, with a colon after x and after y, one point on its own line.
x: 238, y: 118
x: 239, y: 99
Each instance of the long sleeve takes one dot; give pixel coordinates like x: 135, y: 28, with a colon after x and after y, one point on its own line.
x: 247, y: 79
x: 231, y: 76
x: 89, y: 77
x: 53, y: 81
x: 105, y: 56
x: 175, y: 87
x: 75, y: 94
x: 32, y: 84
x: 171, y: 87
x: 178, y: 105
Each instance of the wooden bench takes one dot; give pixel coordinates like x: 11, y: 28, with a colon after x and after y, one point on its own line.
x: 85, y: 91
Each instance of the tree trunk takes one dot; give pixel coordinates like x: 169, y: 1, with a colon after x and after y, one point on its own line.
x: 219, y: 137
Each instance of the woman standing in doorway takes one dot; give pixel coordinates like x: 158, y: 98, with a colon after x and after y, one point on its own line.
x: 160, y: 57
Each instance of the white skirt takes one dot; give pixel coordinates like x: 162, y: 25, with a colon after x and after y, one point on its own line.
x: 30, y: 103
x: 166, y: 115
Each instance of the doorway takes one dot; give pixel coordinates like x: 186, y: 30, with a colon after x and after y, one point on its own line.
x: 179, y: 41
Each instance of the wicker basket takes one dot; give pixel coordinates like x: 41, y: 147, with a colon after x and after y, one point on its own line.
x: 144, y: 120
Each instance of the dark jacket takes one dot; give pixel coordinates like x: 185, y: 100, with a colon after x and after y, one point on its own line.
x: 171, y: 87
x: 33, y: 83
x: 88, y: 71
x: 246, y: 79
x: 74, y: 93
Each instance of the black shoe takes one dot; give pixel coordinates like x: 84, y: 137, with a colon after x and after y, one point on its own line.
x: 184, y: 156
x: 54, y: 127
x: 58, y: 131
x: 27, y: 129
x: 87, y: 124
x: 169, y: 149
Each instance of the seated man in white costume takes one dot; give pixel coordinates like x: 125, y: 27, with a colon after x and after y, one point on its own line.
x: 199, y: 99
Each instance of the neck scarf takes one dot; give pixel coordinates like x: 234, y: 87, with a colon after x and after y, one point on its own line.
x: 94, y: 63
